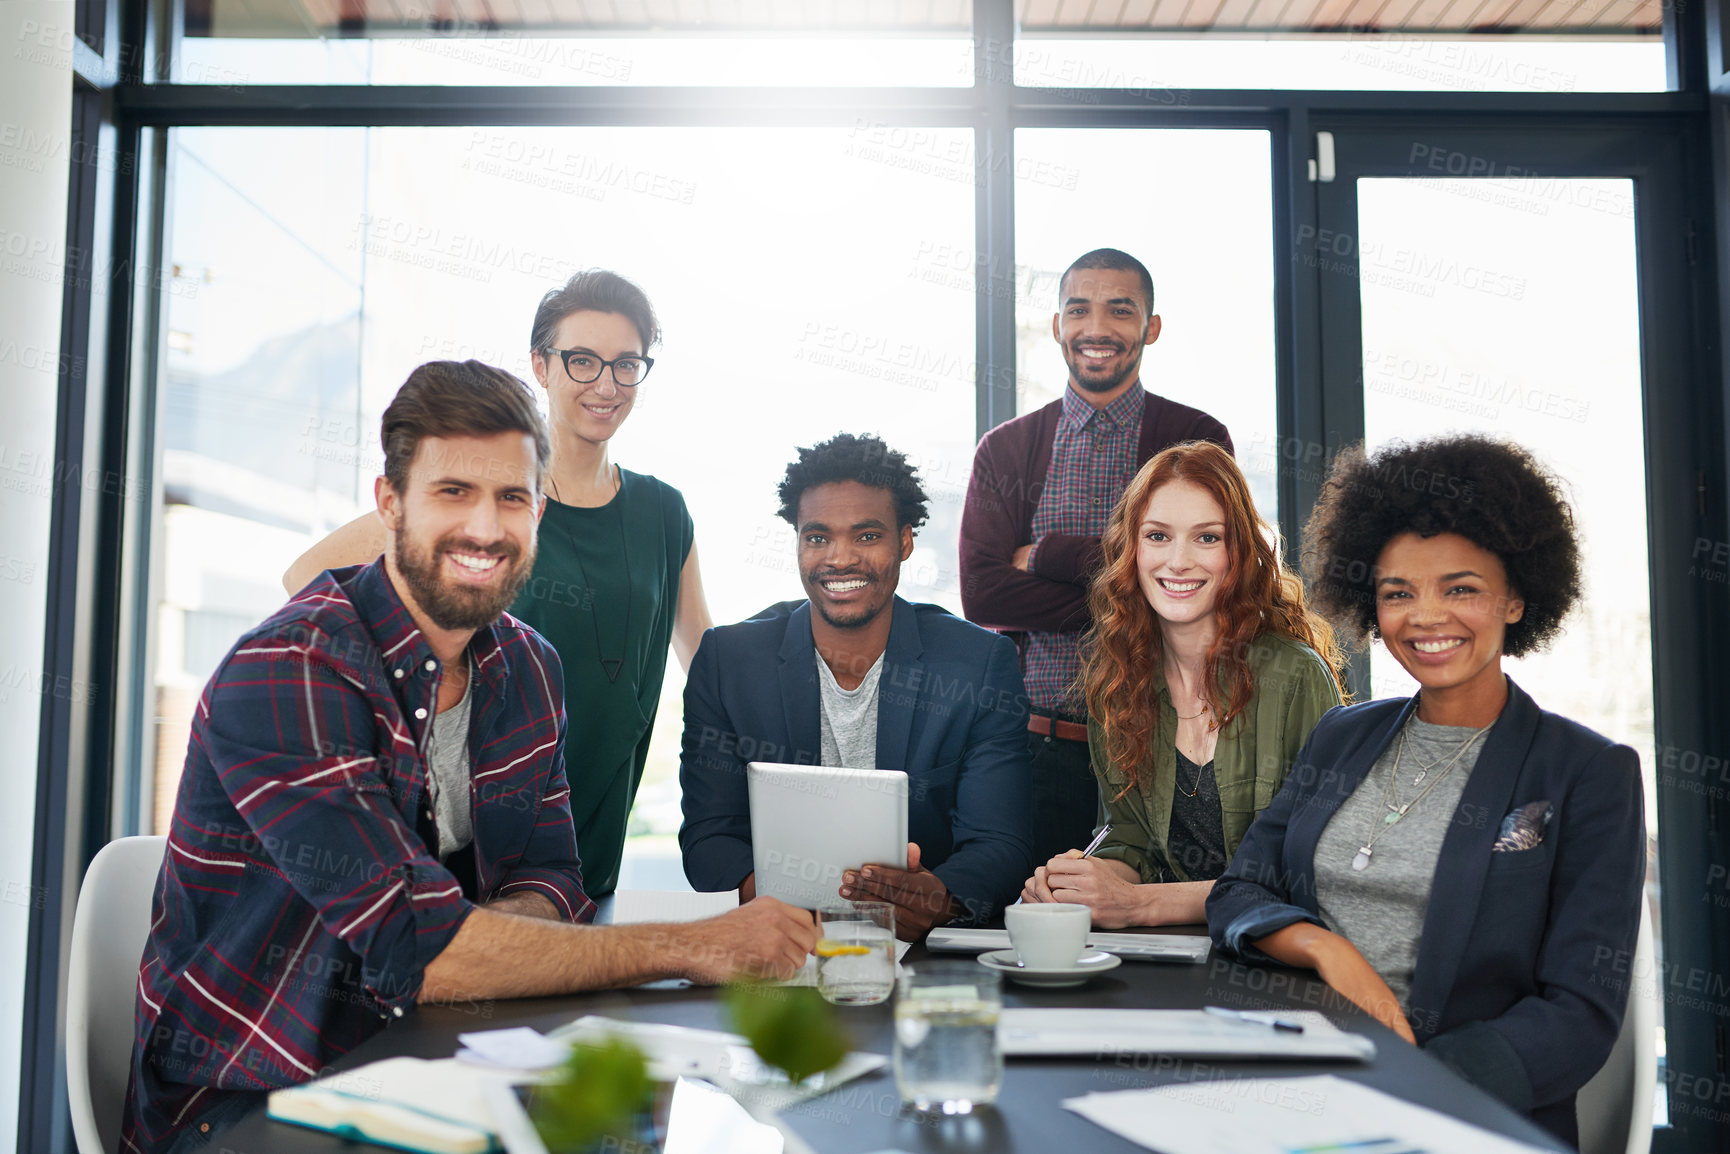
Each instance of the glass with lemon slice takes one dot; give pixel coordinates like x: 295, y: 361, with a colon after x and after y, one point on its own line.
x: 856, y: 953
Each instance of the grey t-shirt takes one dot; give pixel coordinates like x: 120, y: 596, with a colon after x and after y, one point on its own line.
x: 849, y: 724
x: 1380, y: 909
x: 448, y: 774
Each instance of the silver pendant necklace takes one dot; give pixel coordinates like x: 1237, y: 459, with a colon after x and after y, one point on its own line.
x: 1396, y: 811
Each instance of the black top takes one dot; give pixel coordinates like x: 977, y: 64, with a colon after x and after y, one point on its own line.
x: 605, y: 591
x: 1196, y: 840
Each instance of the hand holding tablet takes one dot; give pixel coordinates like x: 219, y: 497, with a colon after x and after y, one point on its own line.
x: 920, y: 898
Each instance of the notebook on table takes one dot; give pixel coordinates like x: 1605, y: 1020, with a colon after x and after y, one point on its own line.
x: 433, y: 1107
x: 1189, y: 949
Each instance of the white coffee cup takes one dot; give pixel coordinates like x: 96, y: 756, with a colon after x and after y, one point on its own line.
x: 1048, y: 935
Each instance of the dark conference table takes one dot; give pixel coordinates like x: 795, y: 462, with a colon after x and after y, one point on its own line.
x: 866, y: 1115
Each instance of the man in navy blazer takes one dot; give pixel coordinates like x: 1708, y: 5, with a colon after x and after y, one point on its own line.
x: 856, y: 676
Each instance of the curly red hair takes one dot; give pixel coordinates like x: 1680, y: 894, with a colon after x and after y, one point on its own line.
x: 1124, y: 654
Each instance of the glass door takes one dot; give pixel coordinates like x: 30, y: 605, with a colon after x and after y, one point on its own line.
x: 1524, y: 286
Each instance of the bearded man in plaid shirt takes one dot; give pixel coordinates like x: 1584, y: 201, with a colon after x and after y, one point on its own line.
x: 374, y: 809
x: 1042, y: 489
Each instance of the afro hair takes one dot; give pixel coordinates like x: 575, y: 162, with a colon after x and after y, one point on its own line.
x: 867, y: 460
x: 1492, y: 493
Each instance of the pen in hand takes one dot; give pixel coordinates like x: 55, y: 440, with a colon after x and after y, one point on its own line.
x: 1098, y: 840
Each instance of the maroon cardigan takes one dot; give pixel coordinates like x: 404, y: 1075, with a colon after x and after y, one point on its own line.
x: 1009, y: 469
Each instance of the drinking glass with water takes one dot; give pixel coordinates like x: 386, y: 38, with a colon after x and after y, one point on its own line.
x: 947, y: 1056
x: 856, y: 953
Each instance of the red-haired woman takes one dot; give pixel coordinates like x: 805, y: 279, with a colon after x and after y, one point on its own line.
x: 1204, y: 675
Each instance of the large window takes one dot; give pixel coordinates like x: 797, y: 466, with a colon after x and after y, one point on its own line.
x: 1195, y: 206
x: 1166, y: 66
x: 1510, y: 307
x: 869, y: 238
x: 628, y: 44
x: 799, y: 276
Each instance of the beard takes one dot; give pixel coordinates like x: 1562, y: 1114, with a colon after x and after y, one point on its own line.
x: 452, y: 606
x: 854, y: 616
x: 1096, y: 383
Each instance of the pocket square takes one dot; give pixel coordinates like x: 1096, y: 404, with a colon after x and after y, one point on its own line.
x: 1523, y: 828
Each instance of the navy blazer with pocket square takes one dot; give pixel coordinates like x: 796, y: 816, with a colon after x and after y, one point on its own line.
x: 951, y: 714
x: 1523, y: 965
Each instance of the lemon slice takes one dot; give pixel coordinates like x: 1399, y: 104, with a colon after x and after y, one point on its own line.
x: 830, y: 948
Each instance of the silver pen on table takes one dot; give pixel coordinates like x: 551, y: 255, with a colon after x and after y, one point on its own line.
x: 1283, y: 1025
x: 1098, y: 838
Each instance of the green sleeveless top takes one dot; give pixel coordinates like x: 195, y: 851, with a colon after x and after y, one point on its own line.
x: 604, y: 591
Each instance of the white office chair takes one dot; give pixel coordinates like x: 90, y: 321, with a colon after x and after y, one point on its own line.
x: 108, y: 934
x: 1615, y: 1107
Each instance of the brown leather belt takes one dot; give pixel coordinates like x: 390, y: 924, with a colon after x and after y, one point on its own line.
x: 1047, y: 726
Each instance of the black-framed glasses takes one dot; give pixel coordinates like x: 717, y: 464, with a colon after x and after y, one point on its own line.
x: 584, y: 367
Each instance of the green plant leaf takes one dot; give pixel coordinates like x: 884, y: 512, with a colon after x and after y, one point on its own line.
x: 791, y: 1028
x: 599, y: 1091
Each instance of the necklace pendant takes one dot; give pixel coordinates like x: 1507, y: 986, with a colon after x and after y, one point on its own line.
x: 611, y: 667
x: 1391, y: 818
x: 1419, y: 780
x: 1362, y: 861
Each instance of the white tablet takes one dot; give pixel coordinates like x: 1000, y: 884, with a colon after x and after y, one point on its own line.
x: 809, y: 823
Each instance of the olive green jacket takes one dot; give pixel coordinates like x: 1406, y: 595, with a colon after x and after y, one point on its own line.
x: 1293, y: 688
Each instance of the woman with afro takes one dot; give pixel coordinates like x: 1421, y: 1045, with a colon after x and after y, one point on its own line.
x: 1462, y: 865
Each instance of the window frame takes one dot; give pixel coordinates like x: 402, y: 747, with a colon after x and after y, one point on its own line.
x: 102, y: 548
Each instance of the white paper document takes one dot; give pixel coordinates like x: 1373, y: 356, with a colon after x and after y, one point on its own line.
x: 1178, y: 1033
x: 1188, y: 948
x: 1284, y: 1116
x: 725, y: 1059
x: 517, y: 1048
x: 701, y: 1119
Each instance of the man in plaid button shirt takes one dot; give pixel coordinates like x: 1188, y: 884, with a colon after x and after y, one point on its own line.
x: 374, y: 810
x: 1042, y: 489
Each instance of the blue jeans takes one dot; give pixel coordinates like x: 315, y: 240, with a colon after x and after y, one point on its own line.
x: 1065, y: 796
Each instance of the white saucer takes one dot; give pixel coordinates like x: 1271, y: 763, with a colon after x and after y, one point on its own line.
x: 1090, y: 963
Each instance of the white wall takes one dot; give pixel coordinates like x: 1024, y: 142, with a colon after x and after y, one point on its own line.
x: 35, y: 130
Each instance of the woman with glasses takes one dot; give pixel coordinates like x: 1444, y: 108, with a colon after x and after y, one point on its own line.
x: 1203, y: 676
x: 1461, y: 864
x: 615, y: 577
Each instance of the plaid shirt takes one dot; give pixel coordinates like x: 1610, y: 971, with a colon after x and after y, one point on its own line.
x: 1092, y: 462
x: 299, y: 904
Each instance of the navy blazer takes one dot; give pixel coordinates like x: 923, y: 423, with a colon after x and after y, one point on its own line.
x: 1522, y: 968
x: 951, y: 713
